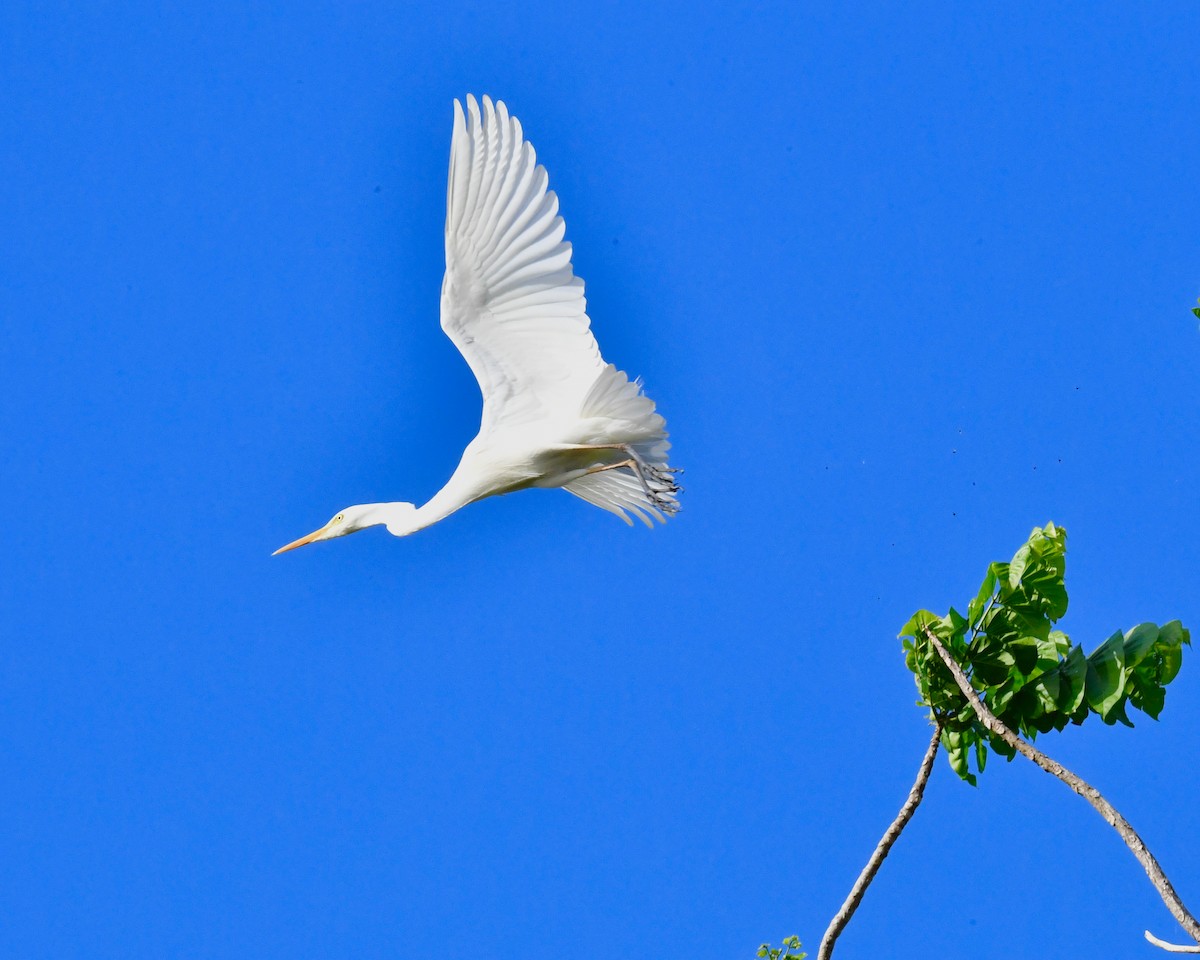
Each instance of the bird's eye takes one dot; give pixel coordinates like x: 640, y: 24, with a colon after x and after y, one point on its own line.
x: 339, y: 518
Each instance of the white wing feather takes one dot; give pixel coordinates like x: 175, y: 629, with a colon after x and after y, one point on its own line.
x: 617, y: 492
x: 510, y: 300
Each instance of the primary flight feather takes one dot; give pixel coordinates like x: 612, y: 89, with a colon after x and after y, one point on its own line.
x: 554, y: 413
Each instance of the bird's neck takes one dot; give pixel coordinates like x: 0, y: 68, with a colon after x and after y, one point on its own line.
x: 455, y: 495
x: 401, y: 519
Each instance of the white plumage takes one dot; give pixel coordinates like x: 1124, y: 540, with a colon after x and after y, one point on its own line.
x: 554, y: 413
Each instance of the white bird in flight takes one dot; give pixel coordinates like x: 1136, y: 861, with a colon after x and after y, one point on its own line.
x: 554, y: 413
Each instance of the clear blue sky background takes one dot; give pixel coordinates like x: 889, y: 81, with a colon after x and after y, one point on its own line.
x: 906, y: 281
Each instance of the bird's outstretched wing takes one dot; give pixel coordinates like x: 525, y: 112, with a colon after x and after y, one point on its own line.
x: 510, y: 300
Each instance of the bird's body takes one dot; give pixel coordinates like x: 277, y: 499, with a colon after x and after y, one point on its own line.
x: 554, y: 413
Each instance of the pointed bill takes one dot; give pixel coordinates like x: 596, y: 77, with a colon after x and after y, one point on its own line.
x: 303, y: 541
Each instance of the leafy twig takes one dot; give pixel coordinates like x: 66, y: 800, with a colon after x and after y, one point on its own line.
x: 1093, y: 796
x: 786, y: 952
x: 838, y: 923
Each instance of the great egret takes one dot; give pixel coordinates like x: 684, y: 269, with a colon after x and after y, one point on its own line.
x: 554, y: 413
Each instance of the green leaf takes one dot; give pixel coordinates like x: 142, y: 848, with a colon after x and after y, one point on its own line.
x: 1172, y: 660
x: 1105, y: 675
x: 1024, y: 708
x: 1139, y: 642
x: 956, y: 622
x: 1149, y: 698
x: 1117, y: 714
x: 980, y: 754
x: 1049, y: 690
x: 976, y: 607
x: 1059, y: 642
x: 1073, y: 673
x: 1025, y: 654
x: 991, y: 666
x: 1002, y: 748
x: 1001, y: 695
x: 1173, y: 633
x: 1054, y: 595
x: 1017, y: 567
x: 955, y: 743
x: 1171, y: 637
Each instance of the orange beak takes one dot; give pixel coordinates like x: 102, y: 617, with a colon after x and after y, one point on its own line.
x: 303, y: 541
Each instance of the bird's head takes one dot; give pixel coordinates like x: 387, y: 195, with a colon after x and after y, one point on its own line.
x: 353, y: 519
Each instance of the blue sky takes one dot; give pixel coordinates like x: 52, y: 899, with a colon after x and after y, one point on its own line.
x: 905, y: 280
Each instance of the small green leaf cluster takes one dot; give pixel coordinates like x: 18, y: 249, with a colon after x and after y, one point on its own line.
x: 1029, y: 674
x: 1196, y: 311
x: 789, y: 950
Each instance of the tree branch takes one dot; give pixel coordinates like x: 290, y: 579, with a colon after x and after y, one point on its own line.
x: 1172, y: 947
x: 838, y: 923
x: 1089, y: 793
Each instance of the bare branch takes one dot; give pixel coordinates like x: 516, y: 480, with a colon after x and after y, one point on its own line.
x: 890, y: 836
x: 1173, y: 947
x: 1089, y: 793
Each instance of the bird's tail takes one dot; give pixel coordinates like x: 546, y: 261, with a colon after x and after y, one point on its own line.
x: 649, y: 490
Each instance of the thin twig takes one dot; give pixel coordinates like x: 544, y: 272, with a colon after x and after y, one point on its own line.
x: 1089, y: 793
x: 838, y: 923
x: 980, y: 623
